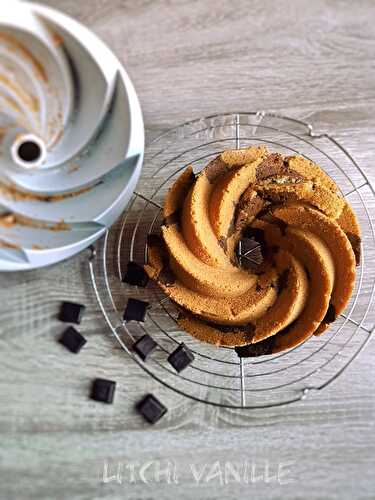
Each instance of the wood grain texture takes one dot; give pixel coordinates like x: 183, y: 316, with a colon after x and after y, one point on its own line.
x: 310, y: 60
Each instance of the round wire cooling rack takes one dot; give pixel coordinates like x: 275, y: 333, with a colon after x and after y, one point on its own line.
x: 217, y: 376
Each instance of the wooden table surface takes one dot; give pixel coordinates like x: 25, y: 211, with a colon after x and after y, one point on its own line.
x: 310, y: 60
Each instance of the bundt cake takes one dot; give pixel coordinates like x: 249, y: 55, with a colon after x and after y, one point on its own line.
x: 310, y: 245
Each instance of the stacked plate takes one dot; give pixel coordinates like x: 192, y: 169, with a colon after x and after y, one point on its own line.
x: 71, y: 137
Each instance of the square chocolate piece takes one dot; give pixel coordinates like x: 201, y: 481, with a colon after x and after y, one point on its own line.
x: 181, y: 358
x: 135, y: 310
x: 103, y: 390
x: 71, y: 312
x: 72, y: 340
x: 144, y: 346
x: 135, y: 275
x: 151, y: 409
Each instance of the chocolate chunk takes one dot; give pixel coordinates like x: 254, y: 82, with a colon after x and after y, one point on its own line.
x: 251, y: 254
x: 71, y: 312
x: 151, y: 409
x: 215, y: 169
x: 249, y: 245
x: 251, y: 203
x: 254, y: 206
x: 135, y: 310
x: 72, y: 340
x: 103, y: 390
x: 144, y: 346
x: 181, y: 358
x: 270, y: 166
x: 259, y: 349
x: 135, y: 275
x: 330, y: 316
x: 355, y: 242
x: 254, y: 234
x: 251, y: 238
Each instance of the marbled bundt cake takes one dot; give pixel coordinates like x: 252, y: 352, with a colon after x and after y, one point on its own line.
x: 310, y: 243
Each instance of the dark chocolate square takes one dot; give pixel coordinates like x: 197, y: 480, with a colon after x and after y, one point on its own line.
x: 103, y: 390
x: 181, y: 358
x: 144, y: 346
x: 72, y: 340
x: 151, y: 409
x: 71, y: 312
x: 135, y: 275
x: 135, y: 310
